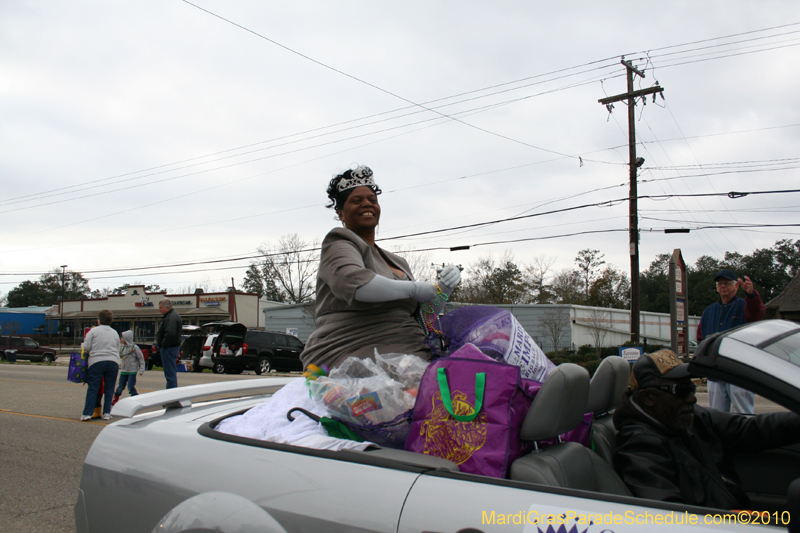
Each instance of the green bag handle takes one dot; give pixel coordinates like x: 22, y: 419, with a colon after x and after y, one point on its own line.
x: 444, y: 388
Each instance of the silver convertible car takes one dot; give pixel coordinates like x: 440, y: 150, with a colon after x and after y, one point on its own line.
x: 169, y: 470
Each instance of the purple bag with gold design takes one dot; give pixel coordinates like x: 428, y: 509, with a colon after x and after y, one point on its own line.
x: 469, y: 410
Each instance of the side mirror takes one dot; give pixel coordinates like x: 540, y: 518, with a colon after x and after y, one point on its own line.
x: 793, y: 506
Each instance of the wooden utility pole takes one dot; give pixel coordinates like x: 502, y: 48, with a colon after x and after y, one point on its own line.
x: 634, y: 164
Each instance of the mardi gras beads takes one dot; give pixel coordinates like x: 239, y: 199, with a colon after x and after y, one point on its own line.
x: 427, y: 312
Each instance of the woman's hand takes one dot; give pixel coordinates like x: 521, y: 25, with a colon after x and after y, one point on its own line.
x: 423, y: 292
x: 449, y: 277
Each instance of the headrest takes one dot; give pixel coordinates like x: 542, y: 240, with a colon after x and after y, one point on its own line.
x: 559, y: 405
x: 609, y: 383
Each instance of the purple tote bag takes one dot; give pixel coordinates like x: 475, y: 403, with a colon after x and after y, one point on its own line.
x: 78, y: 368
x: 477, y: 427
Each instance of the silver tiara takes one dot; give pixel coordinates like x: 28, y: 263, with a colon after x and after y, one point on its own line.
x: 358, y: 177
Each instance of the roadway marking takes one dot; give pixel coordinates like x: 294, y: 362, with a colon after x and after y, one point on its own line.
x: 141, y: 391
x: 99, y: 421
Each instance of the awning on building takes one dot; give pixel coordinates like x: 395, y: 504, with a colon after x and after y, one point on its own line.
x: 205, y: 314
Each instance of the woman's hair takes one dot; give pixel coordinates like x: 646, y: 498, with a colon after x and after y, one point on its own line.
x: 342, y: 185
x: 105, y: 317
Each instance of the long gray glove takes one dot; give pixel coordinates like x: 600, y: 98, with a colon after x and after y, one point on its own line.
x: 449, y: 277
x: 382, y: 289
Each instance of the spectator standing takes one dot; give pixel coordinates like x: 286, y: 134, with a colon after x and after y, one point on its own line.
x: 168, y: 340
x: 132, y: 362
x: 102, y: 345
x: 730, y: 311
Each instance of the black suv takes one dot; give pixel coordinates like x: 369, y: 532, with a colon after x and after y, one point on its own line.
x: 238, y: 348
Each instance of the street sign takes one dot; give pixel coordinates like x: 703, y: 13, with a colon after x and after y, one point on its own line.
x: 678, y: 304
x: 630, y: 353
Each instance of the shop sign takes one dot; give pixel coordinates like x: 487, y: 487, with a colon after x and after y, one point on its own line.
x: 143, y: 304
x: 212, y: 298
x: 630, y: 354
x: 212, y: 303
x: 182, y: 302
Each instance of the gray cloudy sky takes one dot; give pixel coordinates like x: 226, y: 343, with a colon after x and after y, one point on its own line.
x: 148, y: 133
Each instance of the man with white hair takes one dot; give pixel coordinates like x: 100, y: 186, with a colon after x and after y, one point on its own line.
x: 168, y: 340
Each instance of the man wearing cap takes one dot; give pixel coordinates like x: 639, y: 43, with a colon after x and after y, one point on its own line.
x: 730, y: 311
x: 670, y: 449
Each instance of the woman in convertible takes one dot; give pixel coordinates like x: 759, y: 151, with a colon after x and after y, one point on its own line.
x: 366, y: 296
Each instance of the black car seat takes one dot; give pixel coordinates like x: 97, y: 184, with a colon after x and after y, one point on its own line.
x: 609, y: 382
x: 557, y: 408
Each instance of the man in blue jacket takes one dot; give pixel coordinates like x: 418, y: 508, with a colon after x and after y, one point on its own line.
x: 730, y: 311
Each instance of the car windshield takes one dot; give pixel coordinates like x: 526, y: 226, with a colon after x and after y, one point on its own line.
x: 787, y: 348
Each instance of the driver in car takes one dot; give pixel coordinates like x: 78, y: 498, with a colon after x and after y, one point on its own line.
x: 670, y: 449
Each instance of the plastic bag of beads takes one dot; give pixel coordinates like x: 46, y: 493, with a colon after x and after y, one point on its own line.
x: 363, y: 391
x: 498, y: 334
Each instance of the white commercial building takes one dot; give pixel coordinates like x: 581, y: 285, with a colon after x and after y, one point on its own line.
x: 552, y: 326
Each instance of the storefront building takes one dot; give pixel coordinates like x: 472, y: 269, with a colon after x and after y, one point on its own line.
x: 137, y: 310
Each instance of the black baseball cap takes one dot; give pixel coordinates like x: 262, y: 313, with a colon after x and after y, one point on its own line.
x: 660, y: 364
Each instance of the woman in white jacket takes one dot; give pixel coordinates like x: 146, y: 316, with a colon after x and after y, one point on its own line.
x: 102, y: 345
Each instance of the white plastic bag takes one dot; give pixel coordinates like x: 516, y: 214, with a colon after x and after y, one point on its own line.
x: 363, y: 391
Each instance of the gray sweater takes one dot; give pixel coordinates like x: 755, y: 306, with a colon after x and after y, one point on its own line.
x: 102, y: 344
x: 131, y: 355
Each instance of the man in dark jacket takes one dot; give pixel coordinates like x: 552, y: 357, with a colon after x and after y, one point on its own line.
x: 727, y: 313
x: 168, y: 340
x: 670, y: 449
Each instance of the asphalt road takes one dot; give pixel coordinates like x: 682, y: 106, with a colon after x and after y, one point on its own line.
x: 43, y: 444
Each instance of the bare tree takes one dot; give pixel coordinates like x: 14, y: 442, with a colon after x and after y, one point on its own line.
x: 536, y: 276
x: 555, y: 324
x: 11, y: 327
x: 419, y: 262
x: 292, y: 266
x: 204, y: 285
x: 599, y: 324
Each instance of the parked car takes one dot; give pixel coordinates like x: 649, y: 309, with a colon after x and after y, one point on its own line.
x: 238, y: 348
x: 253, y: 485
x: 205, y: 360
x: 193, y: 338
x: 27, y: 349
x: 152, y: 355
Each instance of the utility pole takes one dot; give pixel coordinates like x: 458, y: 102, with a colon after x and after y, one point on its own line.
x: 61, y: 321
x: 634, y: 164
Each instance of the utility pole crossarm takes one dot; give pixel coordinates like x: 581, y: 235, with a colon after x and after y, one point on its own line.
x: 633, y: 94
x: 633, y: 212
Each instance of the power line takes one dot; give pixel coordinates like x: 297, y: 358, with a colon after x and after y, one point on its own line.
x: 395, y: 95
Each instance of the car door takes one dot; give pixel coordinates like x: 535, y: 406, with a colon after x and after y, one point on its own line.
x: 290, y: 348
x: 453, y: 502
x: 16, y: 344
x: 30, y: 349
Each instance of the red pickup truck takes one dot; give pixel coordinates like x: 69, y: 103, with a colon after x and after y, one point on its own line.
x: 27, y: 348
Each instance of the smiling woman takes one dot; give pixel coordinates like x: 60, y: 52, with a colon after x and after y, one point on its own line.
x: 366, y: 296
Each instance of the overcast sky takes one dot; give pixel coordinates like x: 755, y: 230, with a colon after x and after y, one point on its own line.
x: 146, y: 133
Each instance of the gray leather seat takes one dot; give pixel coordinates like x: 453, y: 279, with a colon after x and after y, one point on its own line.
x: 557, y: 408
x: 609, y: 382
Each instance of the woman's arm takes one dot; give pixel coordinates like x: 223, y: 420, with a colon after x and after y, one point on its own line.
x: 383, y: 289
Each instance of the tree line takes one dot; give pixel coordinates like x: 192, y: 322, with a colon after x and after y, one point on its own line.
x: 287, y: 269
x: 47, y: 290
